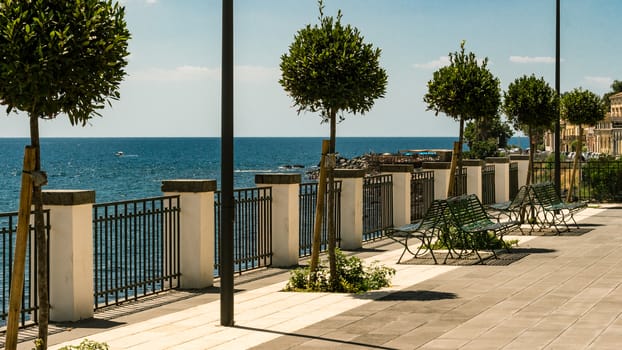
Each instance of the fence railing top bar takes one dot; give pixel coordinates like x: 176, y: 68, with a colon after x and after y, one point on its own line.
x: 131, y: 201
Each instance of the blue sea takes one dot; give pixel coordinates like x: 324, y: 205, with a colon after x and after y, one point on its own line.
x: 92, y: 163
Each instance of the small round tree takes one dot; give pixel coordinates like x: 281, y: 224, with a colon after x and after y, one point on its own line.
x: 330, y: 69
x: 464, y: 90
x: 59, y: 57
x: 580, y: 107
x: 531, y: 106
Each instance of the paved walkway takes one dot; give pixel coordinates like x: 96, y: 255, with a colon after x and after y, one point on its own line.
x: 563, y: 294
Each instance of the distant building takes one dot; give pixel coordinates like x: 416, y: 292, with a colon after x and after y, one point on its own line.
x: 605, y: 137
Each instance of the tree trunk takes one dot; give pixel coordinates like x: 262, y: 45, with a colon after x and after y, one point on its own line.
x: 575, y: 165
x: 456, y: 162
x: 332, y: 260
x: 530, y: 164
x: 41, y: 238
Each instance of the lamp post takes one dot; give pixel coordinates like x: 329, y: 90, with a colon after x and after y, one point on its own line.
x: 557, y: 121
x: 226, y: 169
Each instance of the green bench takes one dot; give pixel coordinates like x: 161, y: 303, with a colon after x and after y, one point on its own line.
x: 472, y: 222
x: 425, y: 231
x: 552, y: 208
x: 515, y: 209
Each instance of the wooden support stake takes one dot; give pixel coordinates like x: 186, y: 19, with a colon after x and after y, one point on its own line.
x: 23, y: 223
x: 452, y: 170
x: 319, y: 209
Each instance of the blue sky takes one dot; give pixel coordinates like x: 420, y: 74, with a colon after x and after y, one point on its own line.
x: 173, y: 83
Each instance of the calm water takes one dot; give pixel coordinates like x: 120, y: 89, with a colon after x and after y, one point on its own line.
x: 91, y: 163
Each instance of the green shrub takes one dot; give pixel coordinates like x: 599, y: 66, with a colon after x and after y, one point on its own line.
x: 486, y: 240
x: 353, y: 276
x: 87, y: 345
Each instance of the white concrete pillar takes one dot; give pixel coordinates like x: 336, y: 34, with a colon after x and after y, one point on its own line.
x: 197, y: 236
x: 474, y: 176
x: 71, y: 254
x: 402, y: 176
x: 285, y: 216
x: 502, y: 178
x: 441, y: 177
x: 351, y: 207
x: 523, y: 167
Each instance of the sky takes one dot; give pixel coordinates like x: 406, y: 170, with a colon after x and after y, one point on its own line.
x: 172, y: 88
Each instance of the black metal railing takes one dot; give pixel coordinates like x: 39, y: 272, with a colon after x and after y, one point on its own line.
x: 460, y: 181
x: 30, y: 304
x: 136, y: 249
x: 308, y: 201
x: 598, y: 180
x: 488, y: 184
x: 377, y: 206
x: 252, y: 229
x: 421, y: 193
x: 513, y: 180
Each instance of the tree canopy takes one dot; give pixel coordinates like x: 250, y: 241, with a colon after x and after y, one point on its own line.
x: 582, y: 107
x: 61, y: 56
x: 329, y: 67
x: 485, y: 135
x: 530, y: 102
x: 465, y: 89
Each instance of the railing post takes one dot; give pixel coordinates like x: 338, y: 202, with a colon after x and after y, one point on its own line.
x: 351, y: 207
x: 196, y: 225
x: 285, y: 216
x: 502, y: 178
x: 474, y: 176
x: 402, y: 175
x: 71, y: 254
x: 441, y: 177
x: 523, y: 167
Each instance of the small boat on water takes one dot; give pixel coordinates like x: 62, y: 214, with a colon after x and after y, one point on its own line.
x: 119, y: 154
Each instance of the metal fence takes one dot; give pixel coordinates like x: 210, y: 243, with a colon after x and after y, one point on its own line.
x: 488, y: 184
x: 252, y: 229
x: 308, y: 201
x: 8, y: 231
x: 460, y: 182
x: 377, y: 206
x: 598, y: 180
x: 513, y: 180
x: 421, y: 193
x: 136, y: 248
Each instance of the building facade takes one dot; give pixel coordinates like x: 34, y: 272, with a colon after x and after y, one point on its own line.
x: 605, y: 137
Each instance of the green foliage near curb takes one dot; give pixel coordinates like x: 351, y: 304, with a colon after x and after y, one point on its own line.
x: 84, y: 345
x: 353, y: 277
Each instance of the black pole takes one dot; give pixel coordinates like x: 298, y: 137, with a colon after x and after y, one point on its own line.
x: 557, y: 121
x: 226, y: 170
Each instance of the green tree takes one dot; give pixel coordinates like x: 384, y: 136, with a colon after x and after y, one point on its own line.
x: 616, y: 87
x: 59, y: 57
x: 464, y: 90
x: 531, y: 106
x: 581, y: 107
x: 485, y: 135
x: 330, y: 69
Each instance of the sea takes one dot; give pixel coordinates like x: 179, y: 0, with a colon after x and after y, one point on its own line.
x: 96, y: 163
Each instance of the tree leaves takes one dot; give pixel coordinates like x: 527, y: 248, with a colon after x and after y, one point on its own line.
x: 582, y: 107
x: 530, y: 102
x: 329, y: 67
x: 465, y: 89
x: 62, y: 56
